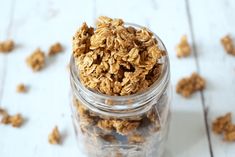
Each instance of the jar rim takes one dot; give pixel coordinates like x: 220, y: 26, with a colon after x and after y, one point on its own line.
x: 158, y: 85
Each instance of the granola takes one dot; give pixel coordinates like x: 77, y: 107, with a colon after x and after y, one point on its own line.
x: 36, y: 60
x: 55, y: 49
x: 54, y: 137
x: 15, y: 120
x: 21, y: 88
x: 223, y: 125
x: 183, y: 49
x: 7, y: 46
x: 227, y: 43
x: 114, y: 59
x: 188, y: 85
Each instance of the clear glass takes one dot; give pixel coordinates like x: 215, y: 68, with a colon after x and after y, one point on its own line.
x: 141, y: 120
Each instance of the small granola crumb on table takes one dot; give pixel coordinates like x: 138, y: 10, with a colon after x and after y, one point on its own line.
x: 183, y: 49
x: 228, y: 45
x: 7, y: 46
x: 21, y: 88
x: 54, y: 137
x: 36, y: 61
x: 55, y: 49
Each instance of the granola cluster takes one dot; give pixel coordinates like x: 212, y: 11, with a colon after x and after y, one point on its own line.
x: 114, y: 59
x: 54, y: 137
x: 188, y: 85
x: 55, y: 49
x: 227, y: 43
x: 21, y: 88
x: 183, y: 49
x: 108, y: 128
x: 15, y: 120
x: 36, y: 60
x: 223, y: 125
x: 7, y: 46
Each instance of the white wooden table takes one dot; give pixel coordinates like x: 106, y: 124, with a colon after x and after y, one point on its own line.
x: 40, y: 23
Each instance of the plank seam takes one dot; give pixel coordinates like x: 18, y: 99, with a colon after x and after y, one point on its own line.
x: 8, y: 34
x: 195, y: 53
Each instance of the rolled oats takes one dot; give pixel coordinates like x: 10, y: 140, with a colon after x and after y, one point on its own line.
x: 114, y: 59
x: 36, y: 60
x: 223, y: 125
x: 54, y: 136
x: 183, y: 49
x: 55, y: 49
x: 188, y: 85
x: 227, y: 43
x: 7, y: 46
x: 21, y: 88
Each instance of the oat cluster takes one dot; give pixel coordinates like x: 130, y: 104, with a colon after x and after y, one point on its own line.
x: 102, y: 128
x: 36, y: 60
x: 223, y: 125
x: 114, y: 59
x: 188, y: 85
x: 54, y: 137
x: 55, y: 49
x: 15, y: 120
x: 7, y: 46
x: 227, y: 43
x: 183, y: 49
x: 21, y: 88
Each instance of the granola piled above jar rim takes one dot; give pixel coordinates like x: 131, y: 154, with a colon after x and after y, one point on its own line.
x: 116, y: 60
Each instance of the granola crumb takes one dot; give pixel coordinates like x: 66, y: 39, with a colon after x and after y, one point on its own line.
x: 7, y: 46
x: 223, y: 125
x: 227, y: 43
x: 15, y: 120
x: 55, y: 49
x: 136, y: 138
x: 36, y: 60
x: 183, y: 49
x: 188, y: 85
x: 21, y: 88
x: 54, y: 136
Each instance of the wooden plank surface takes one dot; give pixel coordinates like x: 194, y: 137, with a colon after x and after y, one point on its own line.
x: 39, y: 23
x: 213, y: 21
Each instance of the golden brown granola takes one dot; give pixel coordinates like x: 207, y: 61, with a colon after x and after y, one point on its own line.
x: 21, y: 88
x: 54, y: 137
x: 55, y: 49
x: 36, y: 60
x: 7, y: 46
x: 183, y: 49
x: 123, y: 127
x: 227, y: 43
x: 188, y: 85
x: 136, y: 138
x: 15, y: 120
x: 223, y: 125
x: 115, y: 59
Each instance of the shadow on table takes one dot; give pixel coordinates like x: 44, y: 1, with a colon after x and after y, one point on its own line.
x: 187, y: 129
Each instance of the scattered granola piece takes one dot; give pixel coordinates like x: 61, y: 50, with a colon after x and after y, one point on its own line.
x: 123, y: 127
x: 36, y: 60
x: 183, y: 49
x: 54, y: 136
x: 7, y: 46
x: 223, y: 125
x: 16, y: 120
x: 21, y: 88
x: 187, y: 86
x: 136, y: 138
x: 54, y: 49
x: 227, y: 43
x: 221, y: 122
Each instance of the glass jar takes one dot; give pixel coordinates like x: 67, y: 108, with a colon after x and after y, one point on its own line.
x: 122, y: 126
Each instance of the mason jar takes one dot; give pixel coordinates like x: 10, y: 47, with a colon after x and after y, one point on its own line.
x: 122, y: 126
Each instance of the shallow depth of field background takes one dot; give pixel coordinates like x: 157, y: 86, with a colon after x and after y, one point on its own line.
x: 40, y: 23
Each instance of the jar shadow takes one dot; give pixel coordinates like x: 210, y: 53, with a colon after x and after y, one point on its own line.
x: 187, y: 134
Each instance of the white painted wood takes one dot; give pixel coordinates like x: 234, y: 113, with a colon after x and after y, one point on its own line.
x: 211, y: 21
x: 41, y: 23
x: 5, y: 16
